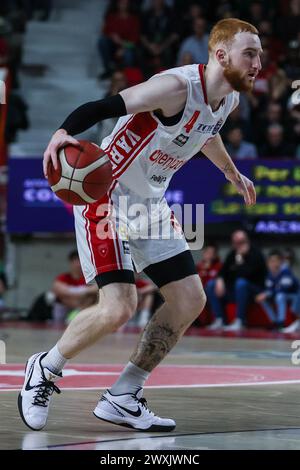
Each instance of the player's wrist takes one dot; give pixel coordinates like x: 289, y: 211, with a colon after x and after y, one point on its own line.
x: 230, y: 170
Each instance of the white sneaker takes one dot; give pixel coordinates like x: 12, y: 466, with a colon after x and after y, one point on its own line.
x: 216, y: 325
x: 34, y: 398
x: 234, y: 326
x: 295, y: 326
x: 131, y: 411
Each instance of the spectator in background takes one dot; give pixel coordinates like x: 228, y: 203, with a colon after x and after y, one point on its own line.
x: 209, y: 264
x: 238, y: 148
x: 188, y: 16
x: 12, y: 29
x: 37, y: 9
x: 271, y: 83
x: 147, y: 4
x: 4, y: 52
x: 208, y: 268
x: 197, y: 44
x: 119, y: 39
x: 17, y: 116
x: 223, y: 9
x: 238, y: 118
x: 293, y: 123
x: 158, y: 38
x: 275, y: 145
x: 289, y: 257
x: 291, y: 65
x: 281, y: 288
x: 295, y: 308
x: 274, y: 43
x: 71, y: 291
x: 241, y: 277
x: 273, y: 115
x: 256, y: 13
x: 289, y: 260
x: 288, y: 25
x: 186, y: 59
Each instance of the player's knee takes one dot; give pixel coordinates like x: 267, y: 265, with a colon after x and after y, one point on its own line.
x: 198, y: 301
x: 123, y: 312
x: 192, y: 303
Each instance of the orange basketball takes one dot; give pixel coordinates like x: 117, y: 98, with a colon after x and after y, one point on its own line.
x: 84, y: 174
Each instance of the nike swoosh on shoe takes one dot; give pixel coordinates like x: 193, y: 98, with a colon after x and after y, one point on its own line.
x: 136, y: 413
x: 28, y: 386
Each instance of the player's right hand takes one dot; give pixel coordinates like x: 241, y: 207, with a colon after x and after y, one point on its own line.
x: 59, y: 139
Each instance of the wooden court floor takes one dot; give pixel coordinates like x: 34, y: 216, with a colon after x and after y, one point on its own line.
x: 223, y: 392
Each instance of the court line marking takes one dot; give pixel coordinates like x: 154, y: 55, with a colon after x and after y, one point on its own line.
x: 170, y: 436
x: 75, y: 366
x: 201, y: 366
x: 241, y: 384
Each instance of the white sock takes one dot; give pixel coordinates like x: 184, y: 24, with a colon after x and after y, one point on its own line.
x: 130, y: 381
x: 54, y: 360
x: 144, y: 316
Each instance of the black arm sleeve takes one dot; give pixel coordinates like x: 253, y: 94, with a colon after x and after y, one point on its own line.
x: 90, y: 113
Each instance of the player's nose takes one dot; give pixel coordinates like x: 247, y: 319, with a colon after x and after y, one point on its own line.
x: 257, y: 63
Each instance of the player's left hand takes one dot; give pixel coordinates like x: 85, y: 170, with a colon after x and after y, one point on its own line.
x: 244, y: 186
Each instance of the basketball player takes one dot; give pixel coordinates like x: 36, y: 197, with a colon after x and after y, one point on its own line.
x: 163, y: 123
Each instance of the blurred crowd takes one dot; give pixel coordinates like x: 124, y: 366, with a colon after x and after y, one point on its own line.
x: 14, y: 15
x: 137, y: 39
x: 140, y: 38
x: 245, y: 278
x: 69, y: 294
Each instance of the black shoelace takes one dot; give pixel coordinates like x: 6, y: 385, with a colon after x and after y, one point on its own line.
x: 44, y: 391
x: 143, y: 403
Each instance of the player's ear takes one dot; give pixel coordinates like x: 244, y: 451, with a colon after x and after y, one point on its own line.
x: 222, y: 57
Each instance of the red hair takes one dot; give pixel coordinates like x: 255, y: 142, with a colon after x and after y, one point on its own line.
x: 225, y: 30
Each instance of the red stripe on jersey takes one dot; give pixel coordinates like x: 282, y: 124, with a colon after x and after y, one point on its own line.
x: 120, y: 171
x: 117, y: 134
x: 117, y: 243
x: 127, y: 142
x: 116, y: 238
x: 86, y: 225
x: 189, y: 126
x: 201, y: 73
x: 104, y: 252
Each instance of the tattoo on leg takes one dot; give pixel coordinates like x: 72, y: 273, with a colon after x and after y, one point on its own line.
x: 156, y: 341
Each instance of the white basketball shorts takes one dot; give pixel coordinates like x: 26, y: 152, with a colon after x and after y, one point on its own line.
x: 123, y: 231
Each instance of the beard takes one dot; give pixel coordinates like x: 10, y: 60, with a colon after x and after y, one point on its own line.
x: 236, y: 79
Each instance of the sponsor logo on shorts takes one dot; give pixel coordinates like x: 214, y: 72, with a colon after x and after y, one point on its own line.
x: 102, y: 249
x: 159, y: 179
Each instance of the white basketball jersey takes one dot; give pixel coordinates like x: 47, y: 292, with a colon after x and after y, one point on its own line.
x: 145, y: 153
